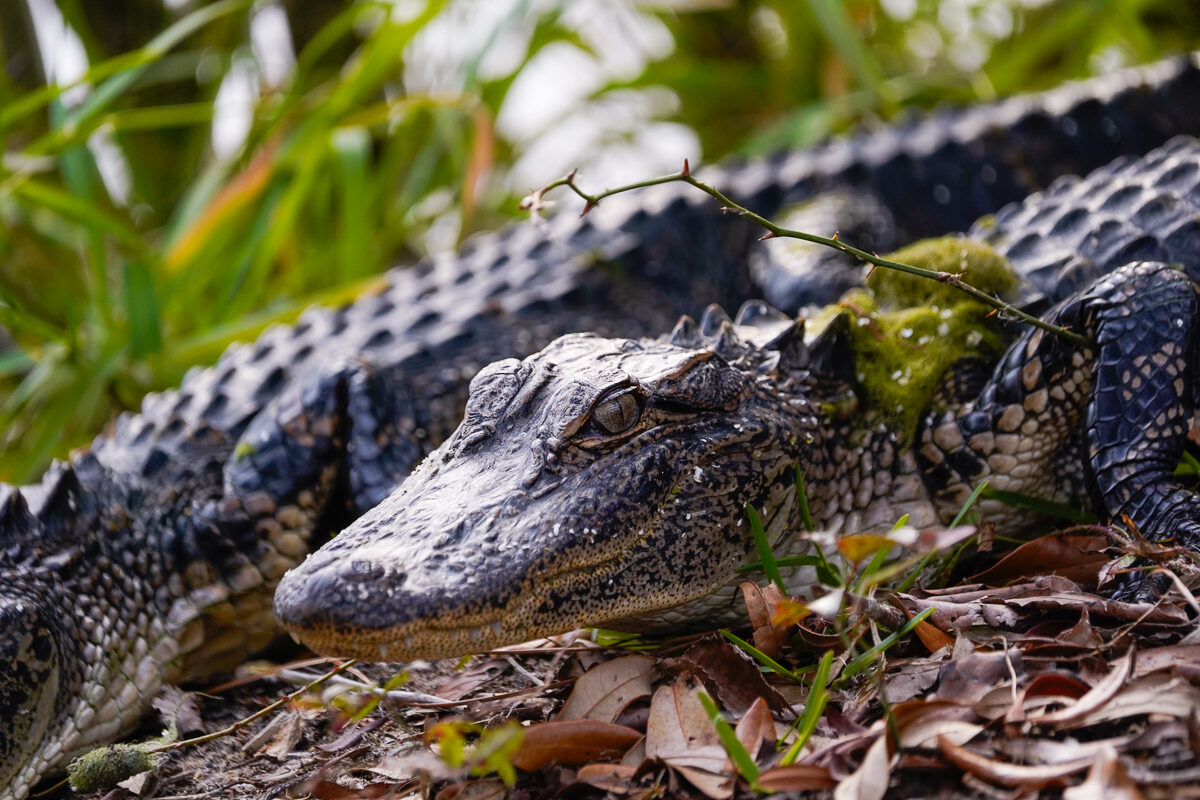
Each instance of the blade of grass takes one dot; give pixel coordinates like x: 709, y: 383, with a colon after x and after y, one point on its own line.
x: 764, y: 548
x: 141, y: 308
x: 834, y: 20
x: 863, y: 661
x: 802, y: 499
x: 1040, y: 506
x: 351, y: 149
x: 818, y: 697
x: 733, y: 746
x: 908, y: 582
x: 762, y: 658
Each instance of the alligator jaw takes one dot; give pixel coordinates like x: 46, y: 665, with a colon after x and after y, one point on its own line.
x: 536, y: 517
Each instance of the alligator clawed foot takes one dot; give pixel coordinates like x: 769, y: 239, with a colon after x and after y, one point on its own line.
x: 1141, y: 586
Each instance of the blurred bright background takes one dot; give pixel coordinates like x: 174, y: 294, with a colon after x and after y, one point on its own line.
x: 176, y: 175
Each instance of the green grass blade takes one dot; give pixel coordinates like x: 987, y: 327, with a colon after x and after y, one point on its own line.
x: 141, y: 308
x: 156, y: 48
x: 761, y: 657
x: 80, y: 210
x: 733, y: 746
x: 865, y: 660
x: 352, y: 153
x: 802, y: 499
x: 962, y: 512
x: 1040, y: 506
x: 839, y: 30
x: 786, y: 561
x: 764, y: 548
x: 818, y: 697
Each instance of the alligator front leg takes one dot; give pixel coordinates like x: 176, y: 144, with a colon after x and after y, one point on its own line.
x: 1143, y: 319
x: 1106, y: 423
x: 324, y: 451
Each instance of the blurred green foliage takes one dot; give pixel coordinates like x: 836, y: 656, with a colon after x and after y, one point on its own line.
x: 131, y: 248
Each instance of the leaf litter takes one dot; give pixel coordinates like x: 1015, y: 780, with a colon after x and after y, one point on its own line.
x: 1023, y: 682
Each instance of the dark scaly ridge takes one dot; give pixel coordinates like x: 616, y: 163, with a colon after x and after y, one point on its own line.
x: 153, y: 556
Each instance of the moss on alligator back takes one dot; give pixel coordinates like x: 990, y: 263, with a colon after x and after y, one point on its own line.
x: 906, y: 331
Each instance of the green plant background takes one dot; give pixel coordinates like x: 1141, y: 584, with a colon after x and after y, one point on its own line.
x: 348, y: 169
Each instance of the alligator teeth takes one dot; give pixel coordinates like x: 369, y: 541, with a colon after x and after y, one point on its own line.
x: 497, y: 627
x: 476, y: 634
x: 383, y: 651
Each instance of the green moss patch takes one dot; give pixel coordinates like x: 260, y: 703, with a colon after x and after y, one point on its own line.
x: 907, y: 331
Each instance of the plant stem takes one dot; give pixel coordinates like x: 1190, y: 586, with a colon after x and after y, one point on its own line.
x: 535, y: 203
x: 262, y: 712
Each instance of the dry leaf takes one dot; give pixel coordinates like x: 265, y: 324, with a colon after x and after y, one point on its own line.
x: 1106, y: 780
x: 680, y: 734
x: 971, y: 675
x: 796, y: 778
x: 762, y: 606
x: 729, y: 675
x: 179, y: 707
x: 1159, y: 694
x: 1007, y: 774
x: 572, y: 742
x: 870, y: 780
x: 606, y: 689
x: 1077, y: 558
x: 755, y: 727
x: 471, y: 678
x: 614, y: 778
x: 679, y: 731
x: 1100, y: 694
x: 486, y: 789
x: 278, y: 737
x: 919, y: 723
x: 1168, y: 657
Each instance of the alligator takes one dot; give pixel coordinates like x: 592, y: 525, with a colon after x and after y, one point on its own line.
x: 154, y: 555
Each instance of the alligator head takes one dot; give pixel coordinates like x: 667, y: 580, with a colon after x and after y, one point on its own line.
x: 599, y: 480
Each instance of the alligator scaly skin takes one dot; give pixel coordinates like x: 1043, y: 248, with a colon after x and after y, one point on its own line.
x: 602, y: 481
x: 153, y: 556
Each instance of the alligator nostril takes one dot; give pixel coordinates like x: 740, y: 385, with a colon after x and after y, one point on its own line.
x: 363, y: 570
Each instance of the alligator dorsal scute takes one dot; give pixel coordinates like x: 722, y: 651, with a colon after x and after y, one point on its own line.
x: 16, y: 521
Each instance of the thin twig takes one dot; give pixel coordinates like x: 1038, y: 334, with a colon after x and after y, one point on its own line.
x: 262, y: 712
x: 535, y: 203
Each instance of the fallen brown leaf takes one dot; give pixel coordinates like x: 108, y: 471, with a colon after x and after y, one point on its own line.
x: 870, y: 780
x: 486, y: 789
x: 762, y: 604
x: 795, y: 778
x: 471, y: 678
x: 572, y: 742
x: 1099, y: 695
x: 615, y: 778
x: 1075, y: 557
x: 1008, y: 774
x: 729, y: 675
x: 755, y: 727
x: 606, y: 689
x: 277, y: 737
x: 1106, y: 780
x: 971, y: 674
x: 680, y: 734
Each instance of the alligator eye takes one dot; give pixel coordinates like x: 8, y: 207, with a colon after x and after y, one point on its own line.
x: 617, y: 414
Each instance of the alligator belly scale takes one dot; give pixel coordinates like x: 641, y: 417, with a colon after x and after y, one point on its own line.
x: 154, y: 555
